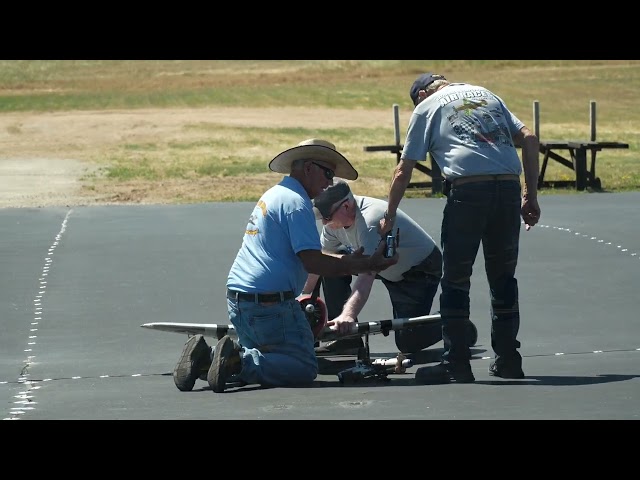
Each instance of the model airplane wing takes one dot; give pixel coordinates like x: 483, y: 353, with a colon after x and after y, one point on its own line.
x: 208, y: 329
x: 361, y: 328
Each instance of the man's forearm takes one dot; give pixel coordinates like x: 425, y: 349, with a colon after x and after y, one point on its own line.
x: 530, y: 165
x: 310, y: 284
x: 399, y: 184
x: 530, y: 144
x: 358, y: 298
x: 333, y: 265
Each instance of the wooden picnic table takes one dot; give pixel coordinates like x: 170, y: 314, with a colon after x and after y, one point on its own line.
x: 585, y: 175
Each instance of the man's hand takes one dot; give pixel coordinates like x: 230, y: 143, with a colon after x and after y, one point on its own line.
x: 359, y: 253
x: 386, y: 224
x: 343, y: 324
x: 530, y: 211
x: 378, y: 260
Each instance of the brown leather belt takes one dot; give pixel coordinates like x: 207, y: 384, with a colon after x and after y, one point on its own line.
x: 260, y: 297
x: 457, y: 181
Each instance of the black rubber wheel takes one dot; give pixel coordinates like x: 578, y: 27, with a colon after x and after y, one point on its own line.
x: 414, y: 339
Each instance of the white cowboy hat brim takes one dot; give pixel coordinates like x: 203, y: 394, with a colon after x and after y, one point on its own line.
x: 282, y: 162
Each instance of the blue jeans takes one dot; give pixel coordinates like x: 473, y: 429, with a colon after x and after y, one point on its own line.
x: 277, y: 343
x: 487, y: 212
x: 410, y: 297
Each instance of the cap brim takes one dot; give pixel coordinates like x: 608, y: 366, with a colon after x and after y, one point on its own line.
x: 282, y: 162
x: 324, y: 203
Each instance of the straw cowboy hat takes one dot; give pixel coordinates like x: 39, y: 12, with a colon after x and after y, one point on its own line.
x: 314, y: 149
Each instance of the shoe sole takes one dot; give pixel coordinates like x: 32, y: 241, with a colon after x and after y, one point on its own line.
x: 442, y: 379
x: 494, y: 372
x: 183, y: 373
x: 433, y: 381
x: 215, y: 376
x: 510, y: 377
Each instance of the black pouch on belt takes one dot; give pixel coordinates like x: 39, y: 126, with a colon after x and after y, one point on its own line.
x: 446, y: 187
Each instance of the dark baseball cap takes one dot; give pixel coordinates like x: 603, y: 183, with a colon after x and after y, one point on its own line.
x: 421, y: 83
x: 336, y: 193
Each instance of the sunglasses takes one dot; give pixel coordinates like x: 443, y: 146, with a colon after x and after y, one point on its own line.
x: 333, y: 212
x: 327, y: 171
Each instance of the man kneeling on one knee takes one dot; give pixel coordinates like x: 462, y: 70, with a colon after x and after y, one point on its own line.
x: 350, y: 222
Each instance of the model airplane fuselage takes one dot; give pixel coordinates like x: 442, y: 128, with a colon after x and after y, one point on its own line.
x: 218, y: 330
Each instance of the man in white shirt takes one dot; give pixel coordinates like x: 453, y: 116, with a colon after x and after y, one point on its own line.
x: 351, y: 222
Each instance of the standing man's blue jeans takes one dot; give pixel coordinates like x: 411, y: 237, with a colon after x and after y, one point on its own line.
x: 277, y: 343
x: 486, y: 212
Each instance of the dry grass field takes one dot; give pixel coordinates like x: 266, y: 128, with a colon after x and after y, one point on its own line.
x: 59, y: 158
x: 103, y: 132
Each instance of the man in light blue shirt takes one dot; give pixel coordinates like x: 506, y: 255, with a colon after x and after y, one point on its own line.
x: 281, y: 245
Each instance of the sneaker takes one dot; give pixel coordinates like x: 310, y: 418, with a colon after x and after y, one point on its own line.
x: 444, y: 373
x: 345, y: 346
x: 226, y: 362
x: 195, y: 357
x: 503, y: 369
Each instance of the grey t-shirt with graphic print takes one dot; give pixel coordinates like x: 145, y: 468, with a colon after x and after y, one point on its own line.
x: 467, y: 129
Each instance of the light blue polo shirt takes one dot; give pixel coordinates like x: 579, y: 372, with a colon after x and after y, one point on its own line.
x: 281, y: 224
x: 468, y: 131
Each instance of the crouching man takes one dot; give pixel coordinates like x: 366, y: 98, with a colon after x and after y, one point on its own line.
x: 350, y: 222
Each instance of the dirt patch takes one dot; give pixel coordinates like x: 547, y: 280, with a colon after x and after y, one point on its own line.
x: 41, y: 182
x: 45, y: 156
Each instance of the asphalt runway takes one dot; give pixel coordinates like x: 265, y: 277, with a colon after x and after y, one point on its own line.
x: 77, y: 283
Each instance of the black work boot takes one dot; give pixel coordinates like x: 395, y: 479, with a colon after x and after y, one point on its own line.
x: 507, y: 366
x: 445, y: 373
x: 194, y: 358
x: 508, y: 361
x: 226, y: 362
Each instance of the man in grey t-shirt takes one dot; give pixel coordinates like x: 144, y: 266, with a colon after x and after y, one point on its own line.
x: 472, y: 136
x: 351, y: 222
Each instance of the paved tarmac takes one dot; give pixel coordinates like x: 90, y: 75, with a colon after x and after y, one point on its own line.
x: 77, y: 283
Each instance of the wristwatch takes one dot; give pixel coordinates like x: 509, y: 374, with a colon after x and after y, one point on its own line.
x: 388, y: 218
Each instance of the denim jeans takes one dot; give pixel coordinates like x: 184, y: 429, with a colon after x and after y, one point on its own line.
x: 486, y: 212
x: 410, y: 297
x: 277, y: 343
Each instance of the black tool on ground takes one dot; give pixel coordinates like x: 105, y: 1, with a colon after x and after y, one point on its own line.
x: 375, y: 369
